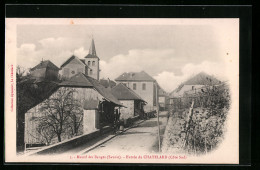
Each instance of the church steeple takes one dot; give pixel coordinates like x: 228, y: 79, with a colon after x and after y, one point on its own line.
x: 92, y: 61
x: 92, y: 49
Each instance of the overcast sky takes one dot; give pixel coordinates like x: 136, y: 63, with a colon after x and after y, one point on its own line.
x: 169, y: 53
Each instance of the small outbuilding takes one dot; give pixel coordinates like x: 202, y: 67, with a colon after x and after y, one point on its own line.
x: 133, y: 102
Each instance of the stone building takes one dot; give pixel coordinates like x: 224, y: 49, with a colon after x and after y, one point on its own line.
x: 163, y: 99
x: 96, y: 102
x: 89, y: 65
x: 143, y: 85
x: 133, y: 102
x: 72, y: 66
x: 92, y: 60
x: 45, y: 70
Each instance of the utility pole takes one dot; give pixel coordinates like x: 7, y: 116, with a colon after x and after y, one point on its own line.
x: 158, y: 122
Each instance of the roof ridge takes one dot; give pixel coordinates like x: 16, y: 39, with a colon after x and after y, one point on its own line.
x: 70, y: 58
x: 47, y: 63
x: 129, y: 90
x: 135, y: 76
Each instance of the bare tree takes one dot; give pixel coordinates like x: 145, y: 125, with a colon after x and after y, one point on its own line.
x: 60, y: 111
x: 75, y: 117
x: 45, y: 133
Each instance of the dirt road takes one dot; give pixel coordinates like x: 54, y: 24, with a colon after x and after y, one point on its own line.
x: 140, y: 139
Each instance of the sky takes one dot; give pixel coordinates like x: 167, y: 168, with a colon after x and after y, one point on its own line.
x: 169, y: 53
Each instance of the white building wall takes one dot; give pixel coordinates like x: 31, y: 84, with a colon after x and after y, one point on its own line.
x: 90, y: 121
x: 149, y: 94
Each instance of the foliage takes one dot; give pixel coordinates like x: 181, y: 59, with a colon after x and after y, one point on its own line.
x: 204, y: 124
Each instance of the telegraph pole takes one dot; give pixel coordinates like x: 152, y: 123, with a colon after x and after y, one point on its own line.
x: 158, y: 122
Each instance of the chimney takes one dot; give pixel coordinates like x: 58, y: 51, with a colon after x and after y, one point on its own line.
x: 109, y: 87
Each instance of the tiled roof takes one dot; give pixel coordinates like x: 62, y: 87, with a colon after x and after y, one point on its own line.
x: 82, y: 80
x: 185, y: 88
x: 71, y: 58
x: 202, y: 79
x: 91, y: 104
x: 82, y: 60
x: 121, y: 92
x: 107, y: 83
x: 45, y: 64
x: 135, y: 76
x: 31, y: 93
x: 162, y: 92
x: 106, y: 93
x: 78, y: 80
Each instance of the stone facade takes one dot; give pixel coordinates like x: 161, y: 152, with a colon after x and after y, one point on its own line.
x: 46, y: 70
x: 73, y: 67
x: 148, y: 93
x: 45, y: 73
x: 128, y: 112
x: 93, y: 64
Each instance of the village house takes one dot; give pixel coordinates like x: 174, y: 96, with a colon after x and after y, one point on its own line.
x: 96, y: 102
x: 31, y: 89
x: 143, y: 85
x: 133, y: 102
x: 194, y: 85
x: 45, y: 70
x: 163, y: 99
x: 89, y: 65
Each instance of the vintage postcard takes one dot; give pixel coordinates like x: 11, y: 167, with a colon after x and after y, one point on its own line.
x: 81, y: 90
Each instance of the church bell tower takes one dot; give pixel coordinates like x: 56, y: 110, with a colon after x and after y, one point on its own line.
x: 92, y: 61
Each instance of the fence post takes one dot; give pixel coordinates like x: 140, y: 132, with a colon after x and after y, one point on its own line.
x: 188, y: 124
x: 158, y: 122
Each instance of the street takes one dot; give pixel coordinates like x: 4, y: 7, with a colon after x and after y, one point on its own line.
x: 142, y: 138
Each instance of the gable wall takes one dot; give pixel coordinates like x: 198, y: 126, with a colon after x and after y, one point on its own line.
x: 31, y: 136
x: 149, y: 95
x: 73, y: 65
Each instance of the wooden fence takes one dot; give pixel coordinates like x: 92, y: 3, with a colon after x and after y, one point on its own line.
x: 207, y: 109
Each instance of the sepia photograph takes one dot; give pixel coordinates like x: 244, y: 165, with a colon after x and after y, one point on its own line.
x: 82, y: 90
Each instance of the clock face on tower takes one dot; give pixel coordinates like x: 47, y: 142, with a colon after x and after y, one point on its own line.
x: 72, y: 72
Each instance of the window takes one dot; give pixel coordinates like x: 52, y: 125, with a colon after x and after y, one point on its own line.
x: 93, y: 63
x: 90, y: 72
x: 134, y: 86
x: 89, y: 63
x: 144, y: 86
